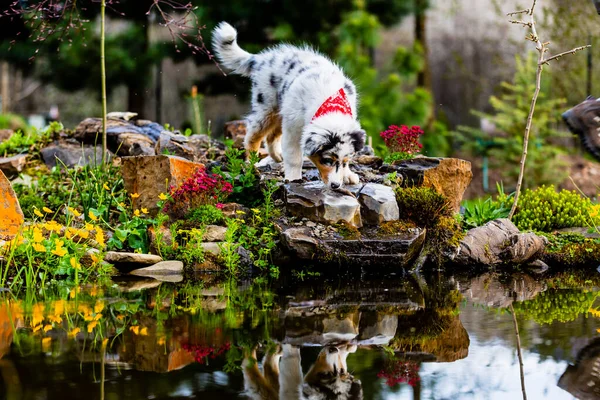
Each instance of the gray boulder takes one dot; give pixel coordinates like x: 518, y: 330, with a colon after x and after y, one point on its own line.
x: 378, y: 204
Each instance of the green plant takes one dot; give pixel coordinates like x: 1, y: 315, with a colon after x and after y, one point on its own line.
x: 545, y: 209
x: 242, y: 175
x: 25, y: 141
x: 571, y: 249
x: 561, y: 305
x: 424, y: 206
x: 229, y: 248
x: 206, y: 215
x: 480, y: 212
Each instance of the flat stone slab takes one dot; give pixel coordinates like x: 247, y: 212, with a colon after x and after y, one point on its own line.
x: 12, y: 166
x: 214, y: 233
x: 136, y: 284
x: 72, y: 155
x: 116, y: 257
x: 317, y: 203
x: 378, y: 204
x: 162, y: 268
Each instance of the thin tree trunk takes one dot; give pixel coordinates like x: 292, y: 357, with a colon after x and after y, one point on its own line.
x: 103, y: 76
x: 519, y: 352
x: 424, y: 75
x: 4, y: 89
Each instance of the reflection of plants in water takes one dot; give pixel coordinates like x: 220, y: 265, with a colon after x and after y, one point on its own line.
x: 562, y: 305
x: 201, y: 353
x: 396, y: 372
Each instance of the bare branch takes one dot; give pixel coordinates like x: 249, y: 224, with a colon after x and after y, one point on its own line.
x: 525, y: 24
x: 512, y: 14
x: 572, y: 51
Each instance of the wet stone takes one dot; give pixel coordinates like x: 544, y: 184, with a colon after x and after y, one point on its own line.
x: 214, y: 233
x: 171, y: 267
x: 115, y: 257
x: 378, y: 204
x: 12, y: 166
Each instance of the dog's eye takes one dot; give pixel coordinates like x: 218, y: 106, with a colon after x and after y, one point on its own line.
x: 327, y: 161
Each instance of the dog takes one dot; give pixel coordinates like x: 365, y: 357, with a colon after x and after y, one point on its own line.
x: 302, y: 103
x: 281, y: 378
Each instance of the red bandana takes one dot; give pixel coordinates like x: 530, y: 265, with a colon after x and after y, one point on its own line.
x: 336, y: 103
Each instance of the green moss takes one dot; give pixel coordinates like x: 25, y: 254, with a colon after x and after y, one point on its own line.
x: 347, y: 231
x: 572, y: 249
x: 423, y: 206
x: 442, y: 237
x: 391, y: 228
x: 561, y: 305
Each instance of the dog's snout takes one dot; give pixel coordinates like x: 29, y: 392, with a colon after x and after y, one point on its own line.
x: 335, y: 185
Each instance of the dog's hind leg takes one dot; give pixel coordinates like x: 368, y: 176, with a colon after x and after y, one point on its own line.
x: 292, y: 151
x: 258, y: 126
x: 274, y: 144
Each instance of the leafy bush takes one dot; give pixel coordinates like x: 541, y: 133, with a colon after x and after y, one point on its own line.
x: 23, y: 141
x: 206, y: 215
x: 561, y: 305
x: 423, y: 206
x: 243, y: 177
x: 545, y: 210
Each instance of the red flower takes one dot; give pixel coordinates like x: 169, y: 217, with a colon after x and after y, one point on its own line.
x: 403, y: 139
x: 397, y: 372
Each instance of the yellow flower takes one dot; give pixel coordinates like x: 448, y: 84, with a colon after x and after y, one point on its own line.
x: 122, y: 205
x: 136, y: 213
x: 161, y: 341
x: 240, y: 212
x: 144, y: 331
x: 73, y: 293
x: 92, y: 216
x: 38, y: 213
x: 59, y: 251
x: 99, y: 306
x: 74, y: 332
x: 37, y: 314
x: 120, y: 317
x: 89, y: 227
x: 74, y: 263
x: 46, y: 343
x: 39, y: 247
x: 104, y: 343
x: 105, y: 186
x: 37, y: 328
x: 94, y: 258
x: 256, y: 211
x: 59, y: 307
x: 135, y: 329
x: 98, y: 317
x: 47, y: 328
x: 82, y: 233
x: 37, y: 235
x: 68, y: 234
x: 47, y: 210
x: 100, y: 237
x: 53, y: 226
x: 91, y: 326
x: 134, y: 195
x: 163, y: 196
x: 145, y: 210
x: 74, y: 212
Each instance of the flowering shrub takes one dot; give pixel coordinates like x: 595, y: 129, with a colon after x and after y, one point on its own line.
x: 397, y: 372
x: 402, y: 141
x: 201, y: 352
x: 200, y: 189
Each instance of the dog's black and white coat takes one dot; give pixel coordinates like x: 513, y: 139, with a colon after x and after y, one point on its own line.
x: 289, y: 86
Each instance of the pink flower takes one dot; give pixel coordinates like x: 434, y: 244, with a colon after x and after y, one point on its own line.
x: 403, y: 139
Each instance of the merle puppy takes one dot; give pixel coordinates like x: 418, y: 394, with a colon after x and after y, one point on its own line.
x: 302, y: 103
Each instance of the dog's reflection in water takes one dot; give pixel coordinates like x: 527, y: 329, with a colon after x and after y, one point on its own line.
x: 281, y: 376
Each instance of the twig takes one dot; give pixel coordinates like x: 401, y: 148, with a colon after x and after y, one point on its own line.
x: 521, y: 368
x: 542, y: 48
x: 103, y: 77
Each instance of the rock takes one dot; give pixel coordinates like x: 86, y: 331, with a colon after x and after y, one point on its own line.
x: 161, y: 268
x: 209, y: 264
x: 448, y: 176
x: 129, y: 284
x: 12, y: 166
x: 499, y: 242
x: 397, y: 251
x: 372, y: 161
x: 378, y: 204
x: 537, y: 267
x: 11, y: 216
x: 232, y: 210
x: 159, y: 237
x: 214, y: 233
x: 212, y: 248
x: 172, y: 278
x: 72, y: 155
x: 90, y: 130
x: 115, y: 257
x: 315, y: 202
x: 150, y: 176
x: 376, y: 329
x: 124, y: 115
x: 176, y: 145
x: 5, y: 134
x: 590, y: 234
x: 236, y: 131
x: 135, y: 144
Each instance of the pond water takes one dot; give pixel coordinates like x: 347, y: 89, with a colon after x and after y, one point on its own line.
x: 400, y: 337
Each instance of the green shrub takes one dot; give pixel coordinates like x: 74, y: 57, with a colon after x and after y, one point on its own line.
x: 23, y: 141
x: 545, y: 210
x: 561, y: 305
x: 423, y: 206
x: 480, y: 212
x: 206, y: 215
x: 13, y: 122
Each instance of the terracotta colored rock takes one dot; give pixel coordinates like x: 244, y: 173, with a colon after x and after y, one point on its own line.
x: 448, y: 176
x: 12, y: 166
x: 11, y: 216
x: 150, y: 176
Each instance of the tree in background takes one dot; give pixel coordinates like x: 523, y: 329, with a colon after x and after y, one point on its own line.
x: 510, y: 111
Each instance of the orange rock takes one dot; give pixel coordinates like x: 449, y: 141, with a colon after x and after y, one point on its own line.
x: 149, y: 176
x: 11, y: 216
x: 6, y: 330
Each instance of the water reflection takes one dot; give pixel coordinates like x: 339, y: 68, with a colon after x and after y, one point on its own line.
x: 412, y: 337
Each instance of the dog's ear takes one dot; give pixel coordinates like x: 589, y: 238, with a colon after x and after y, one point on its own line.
x: 358, y: 139
x: 314, y: 143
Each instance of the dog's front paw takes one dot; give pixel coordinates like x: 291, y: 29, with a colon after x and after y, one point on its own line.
x: 276, y: 156
x: 351, y: 179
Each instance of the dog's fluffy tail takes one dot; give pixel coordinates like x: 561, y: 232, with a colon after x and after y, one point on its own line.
x: 229, y: 53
